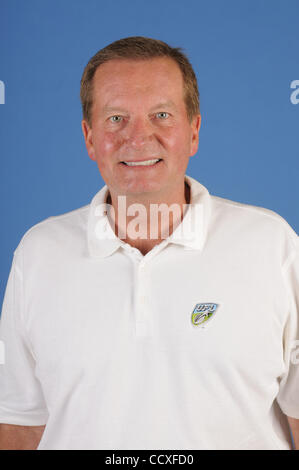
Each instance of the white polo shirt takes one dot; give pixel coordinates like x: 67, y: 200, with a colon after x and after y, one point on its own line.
x: 100, y: 344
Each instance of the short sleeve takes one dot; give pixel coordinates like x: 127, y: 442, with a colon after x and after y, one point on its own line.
x: 288, y: 396
x: 21, y: 398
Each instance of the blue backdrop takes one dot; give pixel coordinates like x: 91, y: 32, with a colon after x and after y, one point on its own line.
x: 245, y: 54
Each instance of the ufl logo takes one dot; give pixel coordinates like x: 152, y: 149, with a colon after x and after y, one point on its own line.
x: 202, y: 313
x: 2, y: 92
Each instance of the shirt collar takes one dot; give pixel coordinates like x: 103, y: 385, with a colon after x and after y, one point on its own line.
x: 191, y: 233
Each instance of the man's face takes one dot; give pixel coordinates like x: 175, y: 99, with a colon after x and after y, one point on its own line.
x: 139, y: 115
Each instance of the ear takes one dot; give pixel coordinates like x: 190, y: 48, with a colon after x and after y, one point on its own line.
x: 195, y: 126
x: 87, y: 132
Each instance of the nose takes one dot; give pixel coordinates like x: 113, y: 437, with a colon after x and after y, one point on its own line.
x: 139, y: 132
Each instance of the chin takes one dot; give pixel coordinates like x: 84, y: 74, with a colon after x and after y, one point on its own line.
x: 138, y: 188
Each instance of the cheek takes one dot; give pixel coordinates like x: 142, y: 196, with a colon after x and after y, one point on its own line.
x: 105, y: 145
x: 179, y: 142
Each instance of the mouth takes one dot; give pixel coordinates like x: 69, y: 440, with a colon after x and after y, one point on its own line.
x: 144, y: 163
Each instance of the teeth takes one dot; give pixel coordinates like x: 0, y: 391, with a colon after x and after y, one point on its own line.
x: 145, y: 163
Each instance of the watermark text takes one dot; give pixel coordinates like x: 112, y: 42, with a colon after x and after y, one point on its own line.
x: 295, y: 94
x: 295, y: 353
x: 2, y: 92
x: 156, y: 221
x: 2, y: 353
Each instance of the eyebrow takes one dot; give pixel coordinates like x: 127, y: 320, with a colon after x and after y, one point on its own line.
x: 112, y: 109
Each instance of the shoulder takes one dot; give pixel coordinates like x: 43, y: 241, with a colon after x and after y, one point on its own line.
x: 254, y: 224
x: 56, y: 233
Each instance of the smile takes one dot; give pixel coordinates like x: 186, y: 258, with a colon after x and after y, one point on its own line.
x: 143, y: 163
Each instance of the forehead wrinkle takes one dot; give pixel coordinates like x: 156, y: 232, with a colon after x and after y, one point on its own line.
x: 167, y: 104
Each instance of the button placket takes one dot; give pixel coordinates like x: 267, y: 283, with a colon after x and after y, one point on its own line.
x: 142, y: 313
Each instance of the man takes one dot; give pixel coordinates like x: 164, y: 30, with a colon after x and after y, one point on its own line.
x: 173, y: 329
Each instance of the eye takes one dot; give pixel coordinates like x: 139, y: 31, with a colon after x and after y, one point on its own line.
x: 162, y: 115
x: 115, y: 118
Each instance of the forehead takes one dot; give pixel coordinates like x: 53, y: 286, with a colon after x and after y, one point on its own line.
x: 122, y: 78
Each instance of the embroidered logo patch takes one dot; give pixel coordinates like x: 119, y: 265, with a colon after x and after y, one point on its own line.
x: 202, y: 313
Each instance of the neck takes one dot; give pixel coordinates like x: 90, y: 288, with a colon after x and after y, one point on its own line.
x: 144, y: 222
